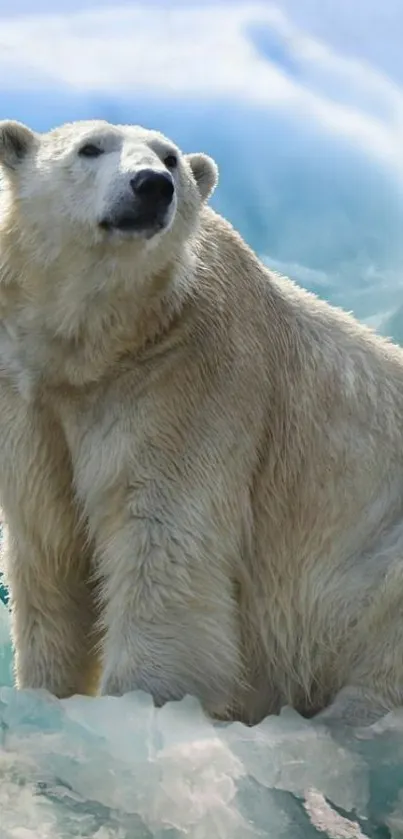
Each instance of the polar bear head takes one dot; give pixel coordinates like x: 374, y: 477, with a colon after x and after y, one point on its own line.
x: 96, y: 185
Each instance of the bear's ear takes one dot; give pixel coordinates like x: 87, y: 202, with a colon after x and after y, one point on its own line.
x: 15, y: 142
x: 205, y: 173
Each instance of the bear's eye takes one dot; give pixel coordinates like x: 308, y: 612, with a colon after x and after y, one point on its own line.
x: 89, y: 150
x: 171, y: 161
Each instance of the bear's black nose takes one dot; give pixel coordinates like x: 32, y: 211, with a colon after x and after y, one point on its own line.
x: 153, y: 186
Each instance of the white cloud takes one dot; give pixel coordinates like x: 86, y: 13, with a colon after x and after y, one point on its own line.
x: 205, y: 51
x: 176, y: 50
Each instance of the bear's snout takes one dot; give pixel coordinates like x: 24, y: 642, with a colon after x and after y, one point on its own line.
x: 153, y: 187
x: 146, y: 209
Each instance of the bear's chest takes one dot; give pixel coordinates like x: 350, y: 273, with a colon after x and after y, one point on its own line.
x: 112, y: 433
x: 14, y: 365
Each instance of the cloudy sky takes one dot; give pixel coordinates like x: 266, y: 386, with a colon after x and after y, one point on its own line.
x: 299, y: 101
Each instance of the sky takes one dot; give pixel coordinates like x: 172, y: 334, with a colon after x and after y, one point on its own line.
x: 299, y: 101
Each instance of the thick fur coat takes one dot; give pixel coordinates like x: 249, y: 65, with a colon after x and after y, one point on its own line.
x: 201, y: 464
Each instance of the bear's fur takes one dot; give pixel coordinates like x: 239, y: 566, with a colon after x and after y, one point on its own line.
x: 201, y: 464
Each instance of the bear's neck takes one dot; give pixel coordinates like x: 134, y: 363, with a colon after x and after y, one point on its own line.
x: 60, y: 333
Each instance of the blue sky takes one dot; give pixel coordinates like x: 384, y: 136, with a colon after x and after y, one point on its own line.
x: 299, y: 101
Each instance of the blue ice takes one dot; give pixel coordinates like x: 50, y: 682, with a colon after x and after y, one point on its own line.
x: 118, y: 768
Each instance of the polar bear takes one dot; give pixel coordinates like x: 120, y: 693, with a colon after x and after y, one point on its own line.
x: 201, y: 464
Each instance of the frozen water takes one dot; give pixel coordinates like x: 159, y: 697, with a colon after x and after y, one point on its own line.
x: 118, y: 768
x: 5, y: 648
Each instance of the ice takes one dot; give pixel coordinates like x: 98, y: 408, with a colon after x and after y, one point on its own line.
x: 5, y: 647
x: 118, y: 768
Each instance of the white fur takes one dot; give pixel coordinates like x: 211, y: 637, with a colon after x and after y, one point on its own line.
x: 201, y: 465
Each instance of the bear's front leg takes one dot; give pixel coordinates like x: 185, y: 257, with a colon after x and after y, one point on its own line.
x: 170, y: 612
x: 52, y: 624
x: 46, y: 556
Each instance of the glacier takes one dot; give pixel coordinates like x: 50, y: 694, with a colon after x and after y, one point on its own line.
x: 119, y: 768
